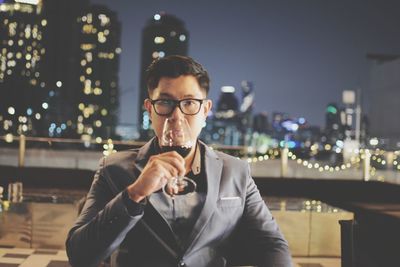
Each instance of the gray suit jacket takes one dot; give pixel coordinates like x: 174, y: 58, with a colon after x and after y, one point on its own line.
x: 233, y: 205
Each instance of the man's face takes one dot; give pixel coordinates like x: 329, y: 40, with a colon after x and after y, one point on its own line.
x: 185, y: 86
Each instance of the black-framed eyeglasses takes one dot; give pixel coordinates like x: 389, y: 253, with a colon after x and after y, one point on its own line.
x: 188, y: 106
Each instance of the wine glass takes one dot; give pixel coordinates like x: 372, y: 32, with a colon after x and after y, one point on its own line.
x: 177, y: 136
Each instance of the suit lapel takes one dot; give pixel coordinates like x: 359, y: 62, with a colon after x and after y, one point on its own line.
x: 213, y: 169
x: 160, y: 229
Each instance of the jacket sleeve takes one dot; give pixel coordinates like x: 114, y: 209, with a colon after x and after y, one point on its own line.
x: 102, y: 225
x: 267, y: 241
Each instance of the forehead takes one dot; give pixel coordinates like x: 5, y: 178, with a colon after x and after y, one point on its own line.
x: 183, y: 86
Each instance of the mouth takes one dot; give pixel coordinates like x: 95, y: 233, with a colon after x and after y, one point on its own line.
x: 177, y: 132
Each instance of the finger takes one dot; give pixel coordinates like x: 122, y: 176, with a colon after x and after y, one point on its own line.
x: 172, y: 154
x: 178, y: 162
x: 163, y: 182
x: 181, y: 187
x: 169, y: 170
x: 162, y: 166
x: 174, y: 185
x: 176, y: 190
x: 170, y: 189
x: 155, y: 175
x: 175, y: 160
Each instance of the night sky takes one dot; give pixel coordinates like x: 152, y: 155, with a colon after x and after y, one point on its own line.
x: 300, y: 54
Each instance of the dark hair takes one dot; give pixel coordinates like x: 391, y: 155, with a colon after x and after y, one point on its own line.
x: 173, y: 67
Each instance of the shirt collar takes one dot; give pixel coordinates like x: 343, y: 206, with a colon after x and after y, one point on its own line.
x: 196, y: 165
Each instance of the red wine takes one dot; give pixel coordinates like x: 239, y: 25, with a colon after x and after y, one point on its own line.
x: 182, y: 150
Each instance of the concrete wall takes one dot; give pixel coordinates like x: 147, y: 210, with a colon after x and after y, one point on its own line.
x: 89, y: 160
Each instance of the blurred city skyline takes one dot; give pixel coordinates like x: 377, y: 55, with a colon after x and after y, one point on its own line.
x: 300, y: 55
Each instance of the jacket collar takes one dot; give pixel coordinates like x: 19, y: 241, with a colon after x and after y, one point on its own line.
x: 213, y: 169
x: 146, y: 150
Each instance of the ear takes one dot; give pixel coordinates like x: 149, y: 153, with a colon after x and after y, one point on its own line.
x: 147, y: 106
x: 207, y: 107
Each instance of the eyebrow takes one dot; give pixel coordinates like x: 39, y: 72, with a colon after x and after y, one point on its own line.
x: 167, y: 95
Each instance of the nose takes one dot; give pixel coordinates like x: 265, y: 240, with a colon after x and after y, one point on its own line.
x: 177, y: 114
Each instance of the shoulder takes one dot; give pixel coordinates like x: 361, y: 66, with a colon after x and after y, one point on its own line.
x: 126, y: 157
x: 234, y: 166
x: 117, y: 170
x: 232, y: 163
x: 120, y: 158
x: 234, y: 173
x: 226, y: 158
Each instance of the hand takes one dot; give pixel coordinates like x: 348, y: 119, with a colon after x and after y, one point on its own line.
x: 155, y: 175
x: 175, y: 186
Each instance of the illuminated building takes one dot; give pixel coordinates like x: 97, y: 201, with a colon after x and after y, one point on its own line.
x: 227, y: 104
x: 260, y: 123
x: 21, y: 57
x: 163, y: 35
x: 99, y: 64
x: 277, y: 119
x: 246, y: 108
x: 61, y: 68
x: 383, y: 98
x: 224, y: 126
x: 334, y: 128
x: 58, y: 69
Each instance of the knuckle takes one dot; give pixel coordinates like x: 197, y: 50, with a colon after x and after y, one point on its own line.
x: 152, y: 158
x: 176, y: 154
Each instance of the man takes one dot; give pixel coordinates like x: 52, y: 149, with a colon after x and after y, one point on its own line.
x: 128, y: 217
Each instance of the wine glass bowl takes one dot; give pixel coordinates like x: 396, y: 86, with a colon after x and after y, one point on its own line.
x: 176, y: 136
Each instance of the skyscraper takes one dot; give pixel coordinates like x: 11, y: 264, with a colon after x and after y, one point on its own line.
x: 334, y: 127
x: 224, y: 125
x: 163, y: 35
x: 61, y: 68
x: 21, y: 58
x: 227, y: 104
x: 58, y: 69
x: 99, y: 63
x: 383, y: 97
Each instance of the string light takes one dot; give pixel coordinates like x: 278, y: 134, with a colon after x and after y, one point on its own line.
x: 109, y: 148
x: 354, y: 160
